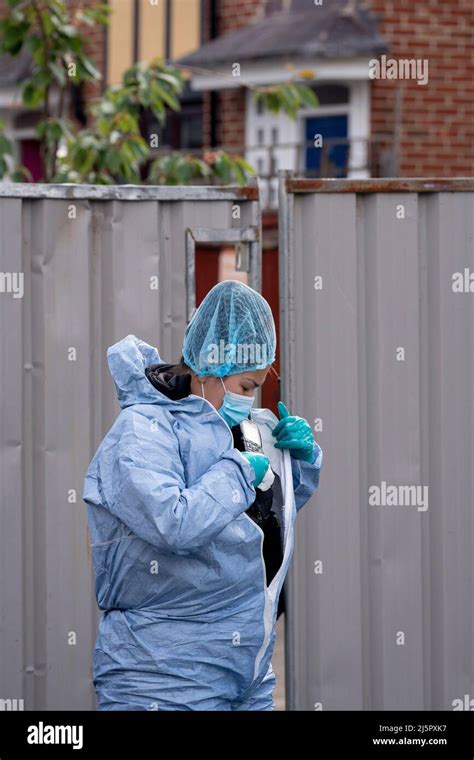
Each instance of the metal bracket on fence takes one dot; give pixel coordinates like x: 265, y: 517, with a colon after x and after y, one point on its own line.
x: 246, y: 241
x: 242, y: 257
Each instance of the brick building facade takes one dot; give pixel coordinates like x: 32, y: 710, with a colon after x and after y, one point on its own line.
x: 433, y: 125
x: 437, y: 120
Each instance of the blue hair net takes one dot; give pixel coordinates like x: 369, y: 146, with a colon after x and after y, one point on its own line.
x: 231, y: 331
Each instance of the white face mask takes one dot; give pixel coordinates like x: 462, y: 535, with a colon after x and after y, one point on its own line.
x: 235, y: 406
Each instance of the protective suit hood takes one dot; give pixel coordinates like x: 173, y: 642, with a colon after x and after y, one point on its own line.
x: 127, y: 361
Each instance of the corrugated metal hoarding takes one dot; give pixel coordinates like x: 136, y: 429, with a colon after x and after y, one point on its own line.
x: 377, y: 291
x: 81, y: 267
x: 377, y: 313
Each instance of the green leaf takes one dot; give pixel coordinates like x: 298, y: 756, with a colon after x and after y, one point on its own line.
x: 129, y: 77
x: 47, y: 22
x: 158, y: 110
x: 75, y: 45
x: 287, y: 101
x: 67, y: 30
x: 14, y: 28
x: 125, y: 122
x: 202, y: 169
x: 113, y: 161
x: 32, y: 96
x: 90, y: 67
x: 21, y: 174
x: 88, y: 162
x: 83, y: 159
x: 92, y: 16
x: 240, y: 174
x: 291, y: 97
x: 41, y: 77
x: 5, y: 145
x: 58, y: 72
x: 307, y: 95
x: 40, y: 128
x: 245, y: 165
x: 107, y: 108
x: 34, y: 43
x: 99, y: 13
x: 139, y: 148
x: 174, y: 79
x: 222, y: 167
x: 160, y: 92
x: 54, y: 130
x: 271, y: 102
x: 57, y: 7
x: 13, y: 35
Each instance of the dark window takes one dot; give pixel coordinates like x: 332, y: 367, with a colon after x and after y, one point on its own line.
x: 26, y: 119
x: 331, y: 94
x: 182, y: 129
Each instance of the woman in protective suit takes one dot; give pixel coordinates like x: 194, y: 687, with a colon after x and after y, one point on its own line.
x: 185, y: 495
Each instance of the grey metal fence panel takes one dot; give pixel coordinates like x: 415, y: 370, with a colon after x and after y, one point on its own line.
x: 87, y: 255
x: 13, y: 562
x: 386, y: 620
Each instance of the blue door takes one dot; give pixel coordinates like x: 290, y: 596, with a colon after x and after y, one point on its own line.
x: 337, y: 154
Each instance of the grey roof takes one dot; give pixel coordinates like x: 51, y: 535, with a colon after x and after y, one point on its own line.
x: 336, y: 29
x: 14, y: 69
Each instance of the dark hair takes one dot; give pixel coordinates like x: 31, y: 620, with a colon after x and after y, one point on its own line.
x: 180, y: 368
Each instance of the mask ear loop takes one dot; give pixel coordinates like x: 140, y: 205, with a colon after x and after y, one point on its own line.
x: 202, y: 387
x: 274, y: 372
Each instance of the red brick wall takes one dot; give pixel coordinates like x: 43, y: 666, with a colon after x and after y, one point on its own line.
x: 95, y: 48
x: 231, y: 118
x: 231, y: 15
x: 437, y: 124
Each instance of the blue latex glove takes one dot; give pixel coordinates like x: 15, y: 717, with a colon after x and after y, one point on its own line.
x: 294, y: 433
x: 260, y: 464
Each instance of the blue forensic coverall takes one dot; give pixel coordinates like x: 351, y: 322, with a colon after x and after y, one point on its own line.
x: 188, y: 621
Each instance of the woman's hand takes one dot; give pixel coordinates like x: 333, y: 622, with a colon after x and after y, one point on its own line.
x: 294, y: 433
x: 264, y: 476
